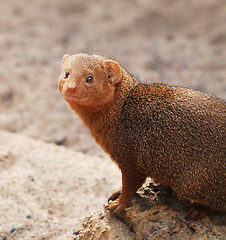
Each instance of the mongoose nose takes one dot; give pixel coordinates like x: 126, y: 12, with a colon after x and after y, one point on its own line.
x: 71, y: 89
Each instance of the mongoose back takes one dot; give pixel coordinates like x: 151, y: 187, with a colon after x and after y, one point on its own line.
x: 174, y: 135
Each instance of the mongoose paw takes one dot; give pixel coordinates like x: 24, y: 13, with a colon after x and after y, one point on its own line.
x: 112, y: 205
x: 115, y: 208
x: 198, y: 212
x: 115, y: 194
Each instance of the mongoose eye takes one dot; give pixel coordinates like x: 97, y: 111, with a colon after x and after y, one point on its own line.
x: 67, y: 74
x: 89, y: 79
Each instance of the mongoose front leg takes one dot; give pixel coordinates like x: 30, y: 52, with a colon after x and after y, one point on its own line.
x: 120, y: 199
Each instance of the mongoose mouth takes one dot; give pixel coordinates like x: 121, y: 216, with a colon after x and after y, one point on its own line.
x: 72, y: 98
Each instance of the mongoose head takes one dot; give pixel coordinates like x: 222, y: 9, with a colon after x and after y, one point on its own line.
x: 88, y: 79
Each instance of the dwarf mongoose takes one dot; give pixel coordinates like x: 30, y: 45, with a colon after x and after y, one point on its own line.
x: 174, y: 135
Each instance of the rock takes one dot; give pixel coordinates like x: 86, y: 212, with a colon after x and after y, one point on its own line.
x: 103, y: 226
x: 152, y: 214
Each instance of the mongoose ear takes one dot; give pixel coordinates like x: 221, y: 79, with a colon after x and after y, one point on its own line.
x: 114, y: 72
x: 65, y: 57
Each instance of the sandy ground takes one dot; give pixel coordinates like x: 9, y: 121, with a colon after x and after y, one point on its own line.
x: 46, y: 191
x: 176, y: 42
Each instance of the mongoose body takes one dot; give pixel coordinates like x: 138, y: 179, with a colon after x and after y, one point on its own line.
x: 174, y: 135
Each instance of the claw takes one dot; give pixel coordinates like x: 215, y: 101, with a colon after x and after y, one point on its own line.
x: 115, y: 208
x: 113, y: 205
x: 115, y: 195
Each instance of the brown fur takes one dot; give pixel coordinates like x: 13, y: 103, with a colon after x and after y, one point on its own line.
x: 174, y: 135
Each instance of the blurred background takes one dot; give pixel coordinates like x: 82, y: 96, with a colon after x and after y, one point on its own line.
x: 176, y: 42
